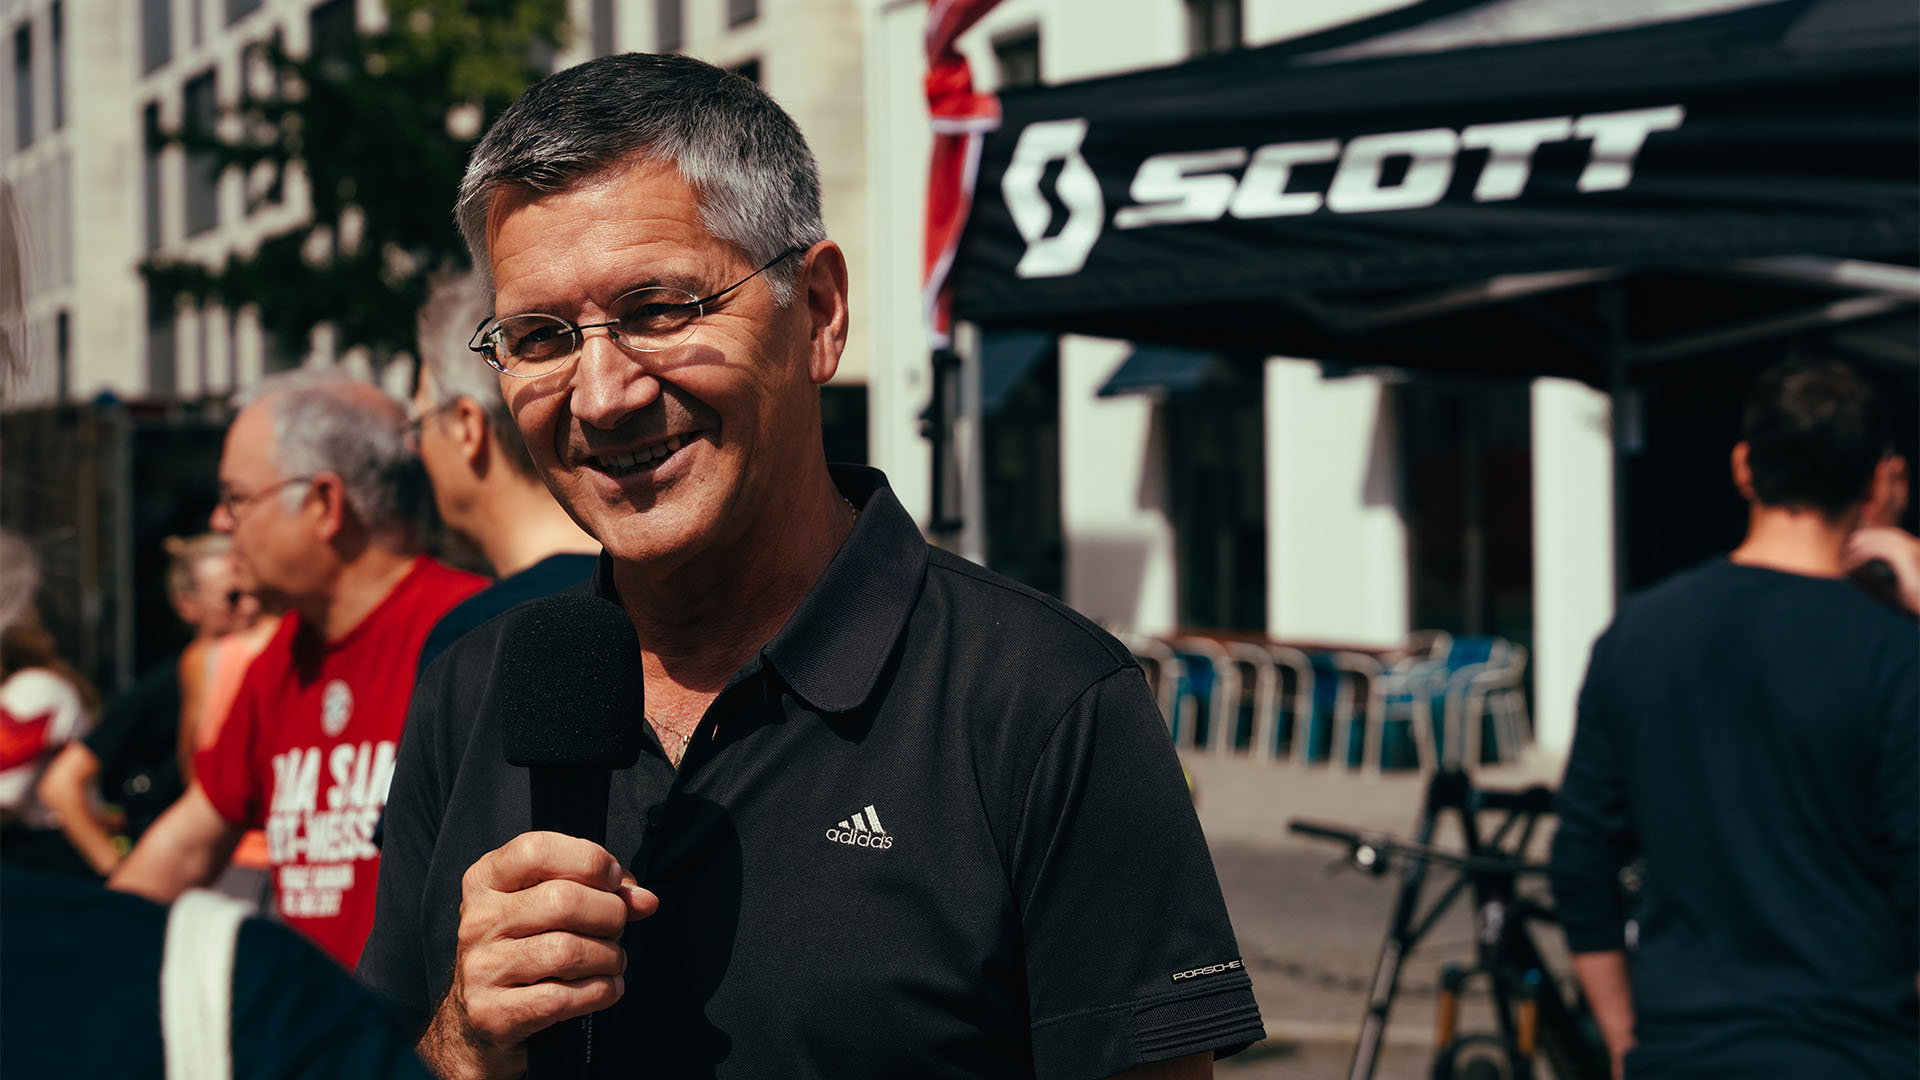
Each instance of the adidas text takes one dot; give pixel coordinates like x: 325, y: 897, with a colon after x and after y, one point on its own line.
x: 861, y: 829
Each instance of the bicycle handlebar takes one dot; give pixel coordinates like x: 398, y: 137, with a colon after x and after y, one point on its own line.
x: 1366, y: 849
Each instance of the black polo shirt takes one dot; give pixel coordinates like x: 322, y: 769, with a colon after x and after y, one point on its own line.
x: 933, y: 828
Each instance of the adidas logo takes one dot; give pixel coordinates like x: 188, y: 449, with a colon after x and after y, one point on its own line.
x: 861, y: 830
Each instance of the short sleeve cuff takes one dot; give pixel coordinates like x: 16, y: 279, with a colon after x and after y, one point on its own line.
x: 1593, y: 937
x: 1221, y: 1019
x: 232, y: 805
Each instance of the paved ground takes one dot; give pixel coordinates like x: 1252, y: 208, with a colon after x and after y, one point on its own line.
x: 1309, y: 930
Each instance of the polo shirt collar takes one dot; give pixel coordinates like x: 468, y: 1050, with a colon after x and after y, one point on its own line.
x: 832, y: 650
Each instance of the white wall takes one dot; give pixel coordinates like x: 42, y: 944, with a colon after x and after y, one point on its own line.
x: 1336, y: 538
x: 888, y: 286
x: 1572, y: 547
x: 1113, y: 495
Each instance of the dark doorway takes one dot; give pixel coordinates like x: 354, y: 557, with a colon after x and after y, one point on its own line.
x: 1467, y: 449
x: 1021, y: 460
x: 1217, y: 477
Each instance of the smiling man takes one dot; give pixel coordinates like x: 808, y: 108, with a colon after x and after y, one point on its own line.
x: 895, y: 815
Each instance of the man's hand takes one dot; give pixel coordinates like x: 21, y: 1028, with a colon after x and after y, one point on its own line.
x: 1605, y: 980
x: 539, y: 942
x: 1898, y: 549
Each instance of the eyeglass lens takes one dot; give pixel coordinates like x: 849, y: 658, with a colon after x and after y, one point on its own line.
x: 645, y: 320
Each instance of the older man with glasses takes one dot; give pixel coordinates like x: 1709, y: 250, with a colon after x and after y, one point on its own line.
x: 321, y: 495
x: 894, y: 815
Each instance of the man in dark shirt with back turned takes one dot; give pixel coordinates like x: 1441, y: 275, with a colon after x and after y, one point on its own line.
x: 1750, y: 727
x: 484, y: 484
x: 893, y: 815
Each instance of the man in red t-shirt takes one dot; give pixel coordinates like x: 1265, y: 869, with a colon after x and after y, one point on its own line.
x: 321, y: 494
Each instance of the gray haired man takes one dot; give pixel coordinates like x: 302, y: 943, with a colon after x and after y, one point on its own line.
x: 894, y: 815
x: 483, y: 481
x: 320, y: 493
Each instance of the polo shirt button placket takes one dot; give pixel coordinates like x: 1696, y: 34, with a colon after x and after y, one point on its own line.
x: 649, y: 839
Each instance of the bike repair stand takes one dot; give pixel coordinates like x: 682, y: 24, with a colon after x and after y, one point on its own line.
x: 1451, y: 791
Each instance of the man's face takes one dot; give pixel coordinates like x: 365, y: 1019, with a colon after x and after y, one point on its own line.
x: 277, y: 550
x: 730, y: 408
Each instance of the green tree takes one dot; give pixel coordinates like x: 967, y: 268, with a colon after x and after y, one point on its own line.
x: 381, y: 126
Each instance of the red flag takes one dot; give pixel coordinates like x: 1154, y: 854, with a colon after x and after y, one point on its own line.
x: 961, y: 118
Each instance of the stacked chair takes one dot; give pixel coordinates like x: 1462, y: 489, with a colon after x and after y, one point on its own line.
x: 1439, y: 702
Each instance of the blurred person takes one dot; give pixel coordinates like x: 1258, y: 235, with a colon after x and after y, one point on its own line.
x: 82, y: 968
x: 1881, y: 556
x: 129, y: 759
x: 100, y: 983
x: 868, y: 768
x: 1751, y: 728
x: 204, y: 709
x: 44, y: 706
x: 320, y: 493
x: 484, y: 484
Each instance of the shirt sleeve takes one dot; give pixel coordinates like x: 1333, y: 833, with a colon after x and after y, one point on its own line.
x: 1595, y: 835
x: 224, y: 769
x: 1130, y: 956
x: 394, y: 961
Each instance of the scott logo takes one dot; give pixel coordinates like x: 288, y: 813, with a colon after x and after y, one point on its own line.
x: 1077, y: 187
x: 1211, y: 969
x: 1198, y: 186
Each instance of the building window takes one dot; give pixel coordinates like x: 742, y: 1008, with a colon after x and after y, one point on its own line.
x: 1018, y: 58
x: 199, y: 115
x: 748, y: 70
x: 162, y: 375
x: 741, y: 12
x: 156, y: 34
x: 669, y: 31
x: 56, y: 16
x: 603, y: 36
x: 23, y: 86
x: 155, y: 143
x: 62, y: 355
x: 330, y: 29
x: 1020, y: 488
x: 239, y: 9
x: 1213, y: 26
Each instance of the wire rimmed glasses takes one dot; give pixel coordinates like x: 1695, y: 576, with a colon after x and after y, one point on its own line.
x: 651, y: 319
x: 234, y: 502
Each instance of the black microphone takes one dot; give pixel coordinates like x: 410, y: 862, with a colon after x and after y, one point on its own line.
x: 569, y: 694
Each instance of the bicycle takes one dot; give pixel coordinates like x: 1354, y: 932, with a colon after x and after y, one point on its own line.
x: 1534, y: 1017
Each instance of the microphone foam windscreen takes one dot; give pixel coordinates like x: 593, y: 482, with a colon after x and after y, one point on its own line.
x: 570, y: 688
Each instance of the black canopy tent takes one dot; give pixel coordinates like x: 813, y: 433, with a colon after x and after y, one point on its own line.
x: 1382, y: 196
x: 1552, y: 207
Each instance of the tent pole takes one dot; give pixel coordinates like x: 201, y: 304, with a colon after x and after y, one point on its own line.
x: 970, y: 448
x: 1619, y: 359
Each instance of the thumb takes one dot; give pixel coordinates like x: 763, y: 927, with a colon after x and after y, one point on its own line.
x: 640, y: 902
